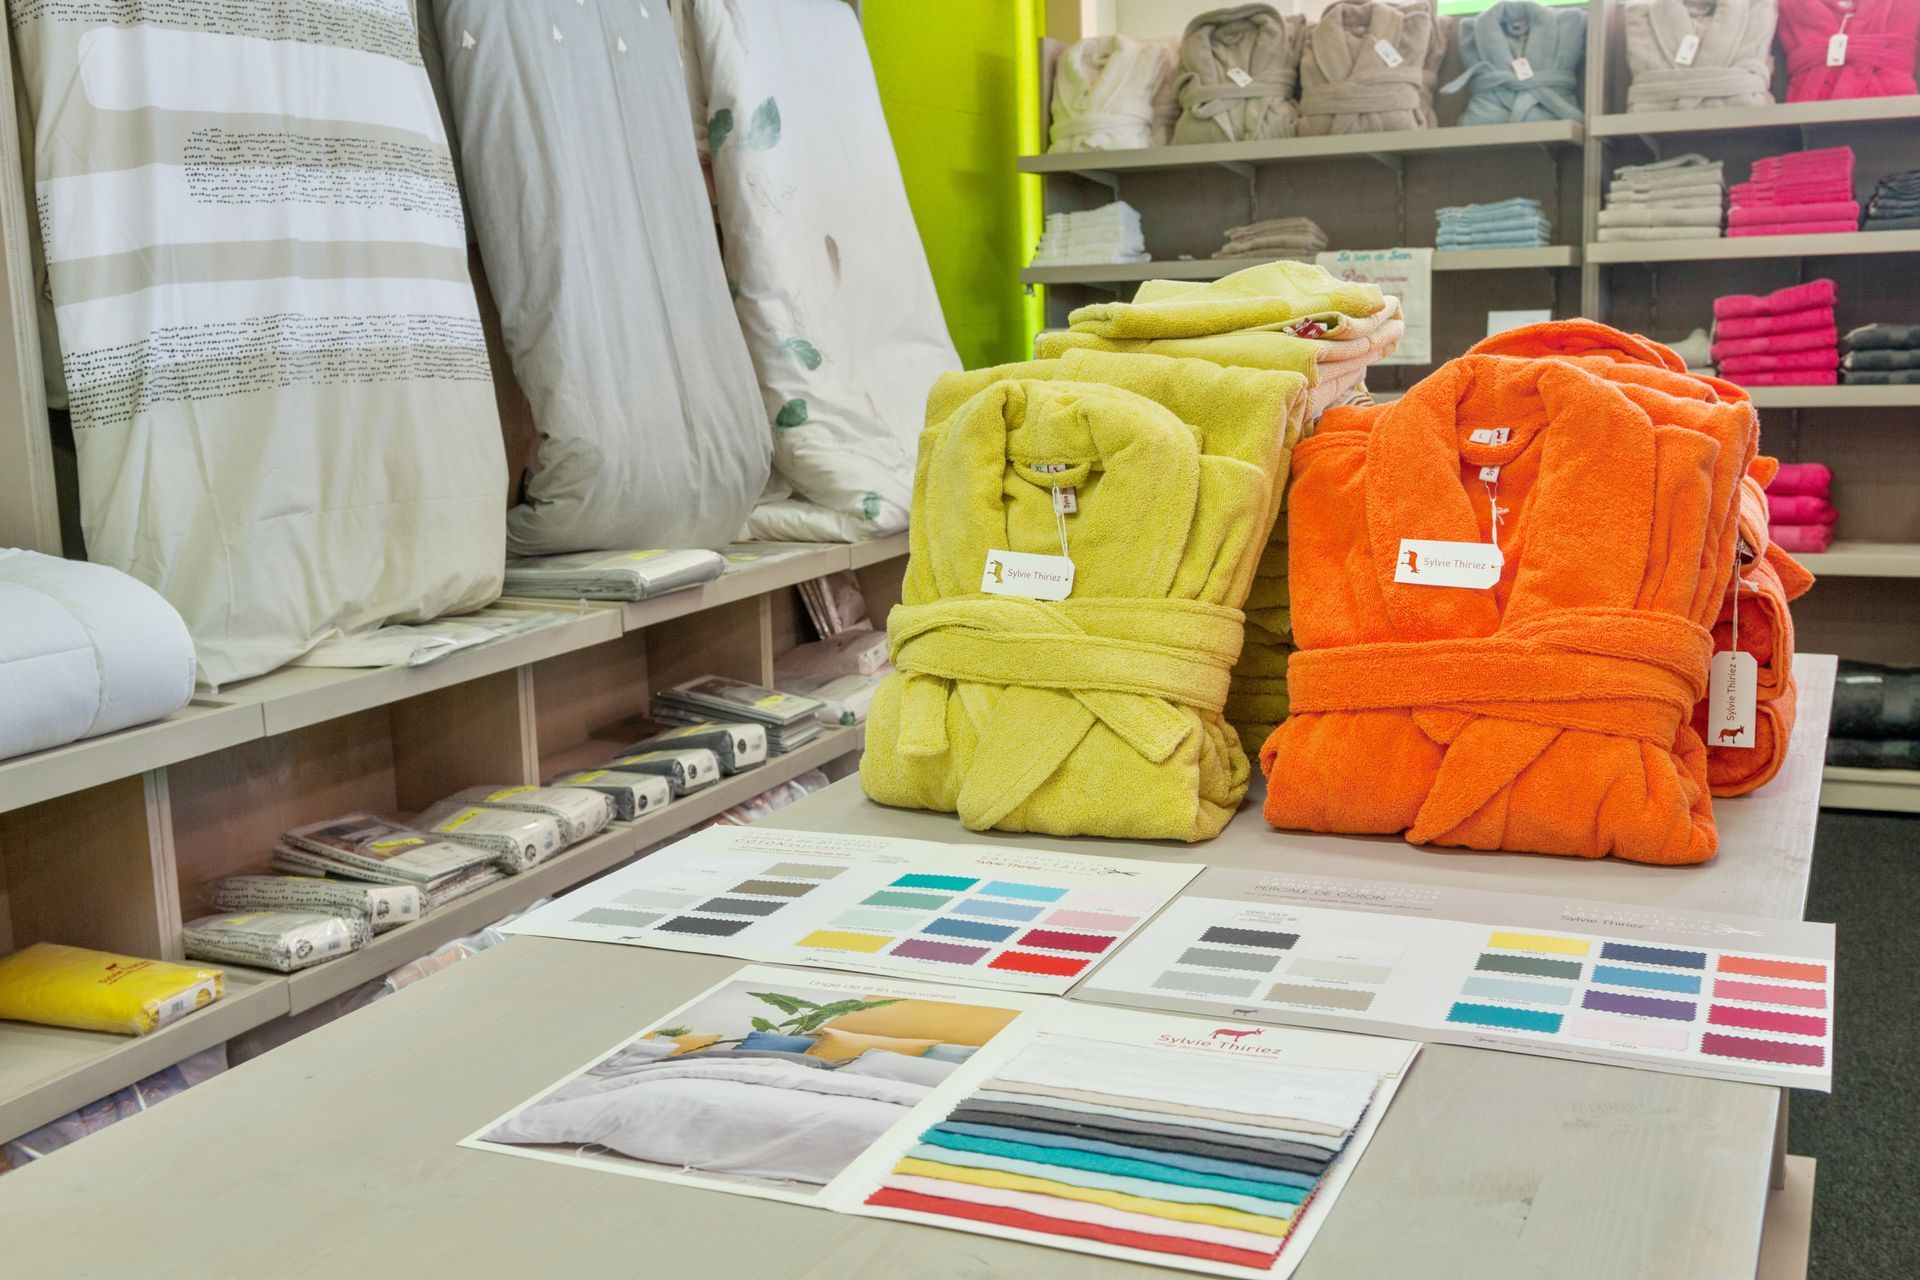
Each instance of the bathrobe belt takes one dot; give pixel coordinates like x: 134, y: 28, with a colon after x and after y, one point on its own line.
x: 1376, y: 89
x: 1206, y: 101
x: 1866, y: 50
x: 1551, y: 88
x: 1748, y: 76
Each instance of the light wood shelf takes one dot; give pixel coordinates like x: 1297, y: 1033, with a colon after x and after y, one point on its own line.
x: 1551, y: 133
x: 1840, y: 397
x: 1838, y: 244
x: 195, y: 729
x: 1780, y: 115
x: 1883, y: 790
x: 1547, y: 257
x: 1865, y: 560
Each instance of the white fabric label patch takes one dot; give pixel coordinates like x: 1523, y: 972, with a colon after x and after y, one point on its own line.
x: 1688, y: 50
x: 1066, y: 501
x: 1015, y: 573
x: 1239, y: 77
x: 1388, y: 54
x: 1837, y: 50
x: 1731, y: 681
x: 1522, y: 69
x: 1490, y: 435
x: 1425, y: 563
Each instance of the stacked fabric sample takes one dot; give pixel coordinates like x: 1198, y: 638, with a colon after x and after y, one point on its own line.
x: 362, y: 847
x: 1875, y: 55
x: 1152, y: 1149
x: 1368, y: 67
x: 1299, y: 238
x: 268, y: 341
x: 1684, y: 198
x: 1550, y: 711
x: 1523, y: 63
x: 833, y: 290
x: 1754, y: 619
x: 1105, y: 94
x: 1518, y: 223
x: 592, y: 218
x: 1800, y: 514
x: 1798, y: 193
x: 1110, y: 233
x: 1895, y: 203
x: 1879, y: 354
x: 1785, y: 338
x: 1239, y: 75
x: 1280, y: 316
x: 1876, y: 717
x: 1700, y: 55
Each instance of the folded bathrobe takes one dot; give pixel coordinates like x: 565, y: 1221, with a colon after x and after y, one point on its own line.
x: 1699, y: 56
x: 1098, y: 714
x: 1883, y: 40
x: 1549, y: 713
x: 1103, y: 93
x: 1346, y: 84
x: 1239, y: 75
x: 1501, y: 42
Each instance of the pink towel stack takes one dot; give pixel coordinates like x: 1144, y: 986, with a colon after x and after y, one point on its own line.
x: 1785, y: 338
x: 1798, y: 193
x: 1799, y: 516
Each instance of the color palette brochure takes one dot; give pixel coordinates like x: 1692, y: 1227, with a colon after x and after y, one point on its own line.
x: 1692, y: 992
x: 1201, y: 1145
x: 997, y: 916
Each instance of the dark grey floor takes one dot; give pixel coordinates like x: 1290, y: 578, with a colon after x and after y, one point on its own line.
x: 1866, y: 1133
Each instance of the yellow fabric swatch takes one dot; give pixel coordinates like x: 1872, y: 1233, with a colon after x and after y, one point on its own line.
x: 835, y: 940
x: 1212, y: 1214
x: 1540, y: 942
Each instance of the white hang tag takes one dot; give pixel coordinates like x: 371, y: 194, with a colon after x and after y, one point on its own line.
x: 1688, y: 50
x: 1239, y: 77
x: 1031, y: 577
x: 1424, y: 563
x: 1490, y: 474
x: 1388, y: 54
x: 1837, y: 49
x: 1522, y: 69
x: 1490, y: 435
x: 1731, y: 681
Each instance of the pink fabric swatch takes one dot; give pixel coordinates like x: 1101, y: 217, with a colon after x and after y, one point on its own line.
x: 1802, y: 538
x: 1796, y: 297
x: 1794, y: 228
x: 1799, y: 508
x: 1814, y: 479
x: 1762, y: 326
x: 1807, y: 340
x: 1827, y: 211
x: 1778, y: 362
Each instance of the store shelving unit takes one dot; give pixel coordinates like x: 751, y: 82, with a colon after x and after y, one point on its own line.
x: 1886, y: 790
x: 1548, y: 258
x: 1839, y: 244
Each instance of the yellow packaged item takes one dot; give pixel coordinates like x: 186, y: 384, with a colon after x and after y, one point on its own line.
x: 99, y: 991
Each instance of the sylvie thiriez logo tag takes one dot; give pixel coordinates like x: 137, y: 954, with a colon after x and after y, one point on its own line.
x: 1425, y: 563
x: 1031, y: 577
x: 1731, y: 685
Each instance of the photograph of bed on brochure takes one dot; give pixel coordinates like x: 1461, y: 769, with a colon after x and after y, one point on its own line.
x: 775, y: 1090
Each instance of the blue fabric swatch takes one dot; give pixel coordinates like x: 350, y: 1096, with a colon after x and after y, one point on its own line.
x: 1279, y: 1209
x: 1150, y: 1155
x: 1097, y: 1163
x: 1647, y: 979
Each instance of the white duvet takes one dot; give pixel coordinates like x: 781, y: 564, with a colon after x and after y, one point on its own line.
x: 763, y: 1119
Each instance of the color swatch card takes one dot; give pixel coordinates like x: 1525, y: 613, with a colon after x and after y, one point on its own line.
x: 1696, y: 993
x: 983, y: 915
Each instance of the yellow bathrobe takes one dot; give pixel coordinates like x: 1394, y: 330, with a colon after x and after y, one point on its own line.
x: 1098, y: 714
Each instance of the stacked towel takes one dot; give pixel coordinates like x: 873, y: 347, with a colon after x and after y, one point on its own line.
x: 1523, y: 62
x: 1239, y: 75
x: 1876, y: 717
x: 1798, y: 193
x: 1875, y: 61
x: 1106, y: 94
x: 1369, y: 67
x: 1800, y: 514
x: 1280, y: 316
x: 1784, y: 338
x: 1110, y: 233
x: 1507, y: 224
x: 1880, y: 354
x: 1895, y: 203
x: 1693, y: 56
x: 1683, y: 198
x: 1274, y: 238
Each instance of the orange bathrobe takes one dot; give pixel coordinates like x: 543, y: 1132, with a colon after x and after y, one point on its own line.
x: 1550, y: 712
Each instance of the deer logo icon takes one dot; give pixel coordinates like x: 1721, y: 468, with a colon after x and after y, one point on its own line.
x: 1235, y: 1036
x: 1413, y: 562
x: 994, y: 567
x: 1732, y: 734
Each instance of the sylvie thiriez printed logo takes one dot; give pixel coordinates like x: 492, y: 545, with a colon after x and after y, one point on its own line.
x: 1031, y: 577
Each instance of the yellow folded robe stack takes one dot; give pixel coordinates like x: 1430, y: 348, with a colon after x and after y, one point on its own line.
x: 1276, y: 316
x: 1099, y: 714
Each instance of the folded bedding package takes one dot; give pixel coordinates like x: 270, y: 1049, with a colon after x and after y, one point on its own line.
x: 611, y: 575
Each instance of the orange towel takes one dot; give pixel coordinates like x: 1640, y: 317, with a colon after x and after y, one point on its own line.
x: 1551, y: 712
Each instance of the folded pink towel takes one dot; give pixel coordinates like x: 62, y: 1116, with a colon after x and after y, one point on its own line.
x: 1826, y: 211
x: 1779, y: 362
x: 1789, y: 378
x: 1760, y: 193
x: 1803, y: 539
x: 1795, y: 297
x: 1810, y: 340
x: 1813, y: 479
x: 1773, y: 326
x: 1797, y: 161
x: 1795, y: 228
x: 1799, y: 508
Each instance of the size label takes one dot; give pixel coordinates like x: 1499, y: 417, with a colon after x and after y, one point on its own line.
x: 1425, y: 563
x: 1837, y: 49
x: 1066, y: 501
x: 1731, y: 681
x: 1522, y: 69
x: 1388, y: 54
x: 1239, y: 77
x: 1490, y: 474
x: 1688, y: 50
x: 1490, y: 435
x: 1031, y: 577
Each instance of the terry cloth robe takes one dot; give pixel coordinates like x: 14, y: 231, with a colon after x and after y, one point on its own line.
x: 1103, y: 93
x: 1098, y: 714
x: 1550, y: 713
x: 1732, y: 64
x: 1883, y: 41
x: 1346, y: 85
x: 1554, y: 43
x: 1264, y: 48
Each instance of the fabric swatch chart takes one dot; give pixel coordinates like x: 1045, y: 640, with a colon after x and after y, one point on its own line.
x: 1695, y: 993
x: 985, y: 915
